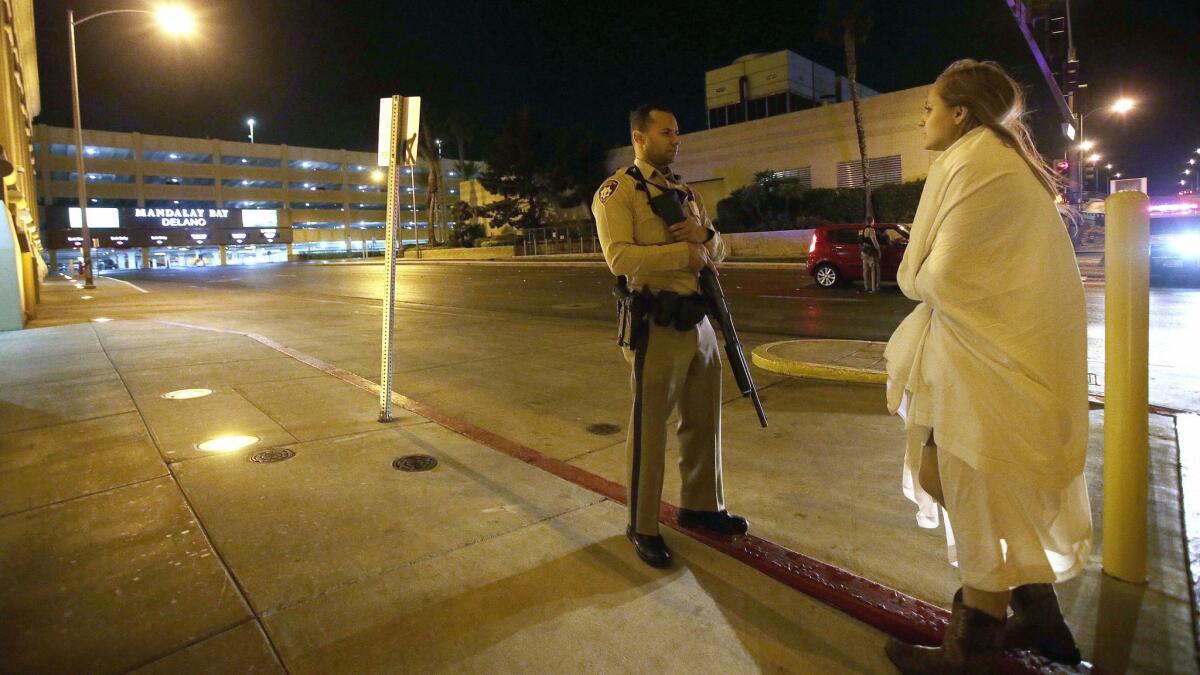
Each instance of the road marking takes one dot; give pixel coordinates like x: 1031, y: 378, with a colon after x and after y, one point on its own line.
x: 124, y: 282
x: 812, y: 298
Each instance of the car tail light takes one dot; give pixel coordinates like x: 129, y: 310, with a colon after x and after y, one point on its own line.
x: 812, y: 245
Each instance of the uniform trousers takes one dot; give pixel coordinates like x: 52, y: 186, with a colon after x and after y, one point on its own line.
x: 674, y: 370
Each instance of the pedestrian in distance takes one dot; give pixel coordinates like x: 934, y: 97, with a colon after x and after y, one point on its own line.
x: 656, y: 254
x: 870, y: 251
x: 989, y: 373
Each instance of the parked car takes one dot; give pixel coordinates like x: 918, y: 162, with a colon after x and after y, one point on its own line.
x: 835, y: 256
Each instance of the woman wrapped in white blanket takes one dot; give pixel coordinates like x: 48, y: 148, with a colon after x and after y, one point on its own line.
x: 989, y: 373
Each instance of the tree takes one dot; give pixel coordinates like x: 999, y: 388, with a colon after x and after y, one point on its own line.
x: 577, y: 167
x: 461, y: 128
x: 849, y: 21
x: 515, y: 170
x: 430, y: 151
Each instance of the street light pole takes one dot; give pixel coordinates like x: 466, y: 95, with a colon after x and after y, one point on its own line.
x: 174, y: 19
x: 88, y: 281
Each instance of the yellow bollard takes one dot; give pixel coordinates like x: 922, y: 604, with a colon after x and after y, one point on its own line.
x: 1126, y: 389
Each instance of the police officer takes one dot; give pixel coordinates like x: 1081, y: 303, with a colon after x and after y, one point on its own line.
x: 670, y: 343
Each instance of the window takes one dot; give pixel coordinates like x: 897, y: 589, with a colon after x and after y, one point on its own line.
x: 802, y: 176
x: 251, y: 183
x: 370, y: 206
x: 253, y: 204
x: 179, y: 204
x: 177, y: 156
x: 757, y: 108
x: 313, y: 187
x: 96, y: 201
x: 176, y: 180
x: 326, y: 206
x: 97, y: 151
x: 845, y: 237
x: 361, y: 168
x: 92, y: 177
x: 883, y: 170
x: 316, y: 225
x: 314, y: 165
x: 239, y: 160
x: 367, y: 188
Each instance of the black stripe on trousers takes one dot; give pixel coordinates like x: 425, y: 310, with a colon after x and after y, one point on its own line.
x: 639, y: 366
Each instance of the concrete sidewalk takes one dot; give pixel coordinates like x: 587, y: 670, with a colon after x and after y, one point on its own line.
x: 125, y: 546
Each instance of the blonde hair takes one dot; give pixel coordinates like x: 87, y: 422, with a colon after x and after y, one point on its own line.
x: 994, y: 99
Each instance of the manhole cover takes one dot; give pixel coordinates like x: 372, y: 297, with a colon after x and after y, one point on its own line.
x: 272, y: 455
x: 603, y: 429
x: 414, y: 463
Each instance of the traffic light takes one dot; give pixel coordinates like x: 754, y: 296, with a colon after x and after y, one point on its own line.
x: 1062, y: 166
x: 1071, y: 76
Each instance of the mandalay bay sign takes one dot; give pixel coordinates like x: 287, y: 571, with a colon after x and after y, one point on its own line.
x: 182, y: 217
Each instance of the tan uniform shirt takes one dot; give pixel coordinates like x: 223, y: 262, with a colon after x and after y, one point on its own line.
x: 637, y: 243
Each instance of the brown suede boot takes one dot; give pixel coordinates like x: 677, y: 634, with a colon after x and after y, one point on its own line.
x: 1037, y: 623
x: 972, y: 645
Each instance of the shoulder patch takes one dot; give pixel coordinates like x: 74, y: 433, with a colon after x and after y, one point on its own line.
x: 607, y: 190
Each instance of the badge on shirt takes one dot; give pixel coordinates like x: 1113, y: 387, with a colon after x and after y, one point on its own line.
x: 607, y: 190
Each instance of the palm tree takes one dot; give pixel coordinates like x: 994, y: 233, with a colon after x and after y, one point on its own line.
x: 433, y: 186
x: 849, y: 21
x: 461, y: 127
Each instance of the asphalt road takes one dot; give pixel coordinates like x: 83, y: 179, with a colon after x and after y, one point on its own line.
x: 773, y: 301
x: 766, y: 300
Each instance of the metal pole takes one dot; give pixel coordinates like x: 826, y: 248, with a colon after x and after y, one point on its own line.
x: 412, y: 184
x: 1126, y: 389
x: 88, y: 281
x: 389, y: 264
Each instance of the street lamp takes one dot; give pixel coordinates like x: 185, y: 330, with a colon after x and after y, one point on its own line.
x: 1121, y: 106
x: 173, y: 19
x: 250, y: 122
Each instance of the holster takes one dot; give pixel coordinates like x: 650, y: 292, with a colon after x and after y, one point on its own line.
x: 635, y: 311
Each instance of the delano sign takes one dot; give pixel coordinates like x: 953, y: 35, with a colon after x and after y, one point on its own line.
x: 182, y: 217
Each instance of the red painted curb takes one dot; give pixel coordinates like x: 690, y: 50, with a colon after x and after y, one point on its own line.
x: 890, y: 611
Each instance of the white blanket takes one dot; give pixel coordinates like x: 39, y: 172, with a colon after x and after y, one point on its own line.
x: 994, y: 358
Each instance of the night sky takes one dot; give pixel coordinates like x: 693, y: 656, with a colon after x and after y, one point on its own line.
x: 311, y: 72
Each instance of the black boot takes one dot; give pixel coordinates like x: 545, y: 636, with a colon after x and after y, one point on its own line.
x: 650, y: 548
x: 1037, y: 623
x: 973, y: 644
x: 721, y: 522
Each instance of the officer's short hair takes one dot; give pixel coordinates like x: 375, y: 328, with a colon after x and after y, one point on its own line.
x: 639, y: 117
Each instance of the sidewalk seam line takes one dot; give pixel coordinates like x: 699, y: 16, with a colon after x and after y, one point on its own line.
x: 200, y: 526
x: 112, y: 488
x: 134, y: 411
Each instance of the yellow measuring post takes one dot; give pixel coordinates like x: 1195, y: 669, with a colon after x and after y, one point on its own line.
x: 1126, y: 389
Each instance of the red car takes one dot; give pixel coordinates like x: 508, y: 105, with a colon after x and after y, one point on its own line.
x: 835, y: 254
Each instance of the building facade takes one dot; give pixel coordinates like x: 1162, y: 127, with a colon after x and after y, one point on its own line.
x: 21, y: 265
x: 817, y: 145
x: 323, y: 200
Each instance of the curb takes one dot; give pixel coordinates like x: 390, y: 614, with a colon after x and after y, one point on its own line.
x: 761, y: 356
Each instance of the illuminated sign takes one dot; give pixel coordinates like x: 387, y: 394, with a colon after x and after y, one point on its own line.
x: 182, y: 217
x: 259, y: 218
x: 97, y: 218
